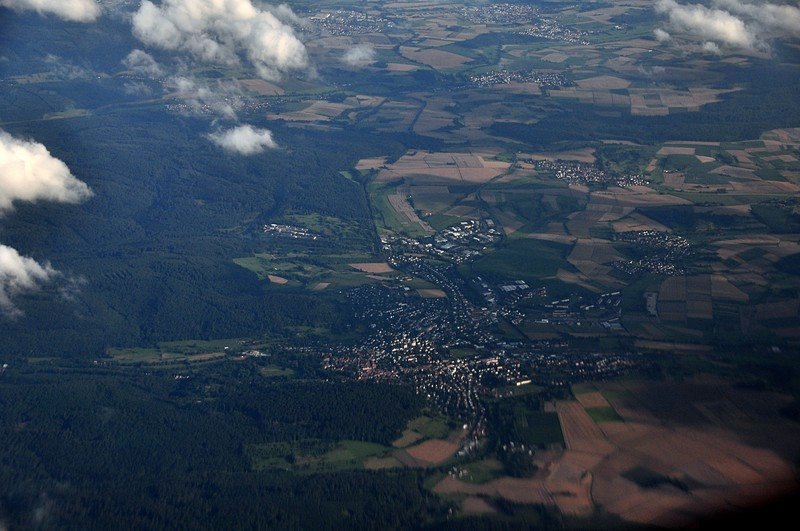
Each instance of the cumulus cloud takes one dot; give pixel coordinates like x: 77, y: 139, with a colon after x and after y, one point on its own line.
x: 142, y: 63
x: 711, y: 47
x: 711, y: 24
x: 772, y: 16
x: 19, y: 274
x: 28, y: 172
x: 732, y: 23
x: 244, y: 140
x: 74, y: 10
x: 222, y: 98
x: 285, y: 14
x: 224, y: 31
x: 661, y: 35
x: 360, y: 55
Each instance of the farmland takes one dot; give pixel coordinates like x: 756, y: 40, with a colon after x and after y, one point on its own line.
x: 314, y: 456
x: 600, y: 234
x: 175, y: 351
x: 300, y: 270
x: 496, y: 263
x: 627, y: 465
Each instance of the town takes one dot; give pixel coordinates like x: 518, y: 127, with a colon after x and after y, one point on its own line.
x: 347, y: 22
x: 523, y: 15
x: 449, y: 349
x: 452, y: 348
x: 230, y: 103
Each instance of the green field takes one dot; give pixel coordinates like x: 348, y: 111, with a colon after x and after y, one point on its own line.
x: 430, y: 427
x: 306, y: 270
x: 314, y: 455
x: 173, y: 351
x: 333, y: 231
x: 386, y: 217
x: 442, y: 221
x: 537, y: 428
x: 481, y: 471
x: 524, y: 259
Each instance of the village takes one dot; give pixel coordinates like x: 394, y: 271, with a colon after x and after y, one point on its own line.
x: 663, y: 253
x: 505, y: 77
x: 289, y: 231
x: 348, y: 22
x: 582, y: 173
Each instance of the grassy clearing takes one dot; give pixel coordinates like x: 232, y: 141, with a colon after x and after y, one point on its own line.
x: 430, y: 428
x: 381, y: 463
x: 332, y: 228
x: 408, y: 438
x: 523, y: 259
x: 421, y: 428
x: 353, y: 453
x: 187, y: 350
x: 419, y: 283
x: 442, y: 221
x: 481, y: 471
x: 135, y: 354
x: 537, y: 428
x: 273, y: 371
x: 314, y: 455
x: 386, y: 217
x: 511, y: 391
x: 435, y: 203
x: 307, y: 271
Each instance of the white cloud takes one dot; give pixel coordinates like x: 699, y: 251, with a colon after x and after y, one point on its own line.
x: 360, y: 55
x: 19, y: 274
x: 285, y: 14
x: 137, y: 88
x: 142, y: 63
x: 28, y: 172
x: 711, y: 24
x: 221, y: 31
x: 651, y: 72
x: 64, y: 69
x: 75, y: 10
x: 732, y: 23
x: 223, y: 98
x: 244, y: 140
x: 711, y: 47
x: 661, y: 35
x: 772, y: 16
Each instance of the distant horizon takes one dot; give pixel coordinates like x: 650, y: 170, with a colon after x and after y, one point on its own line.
x: 384, y: 265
